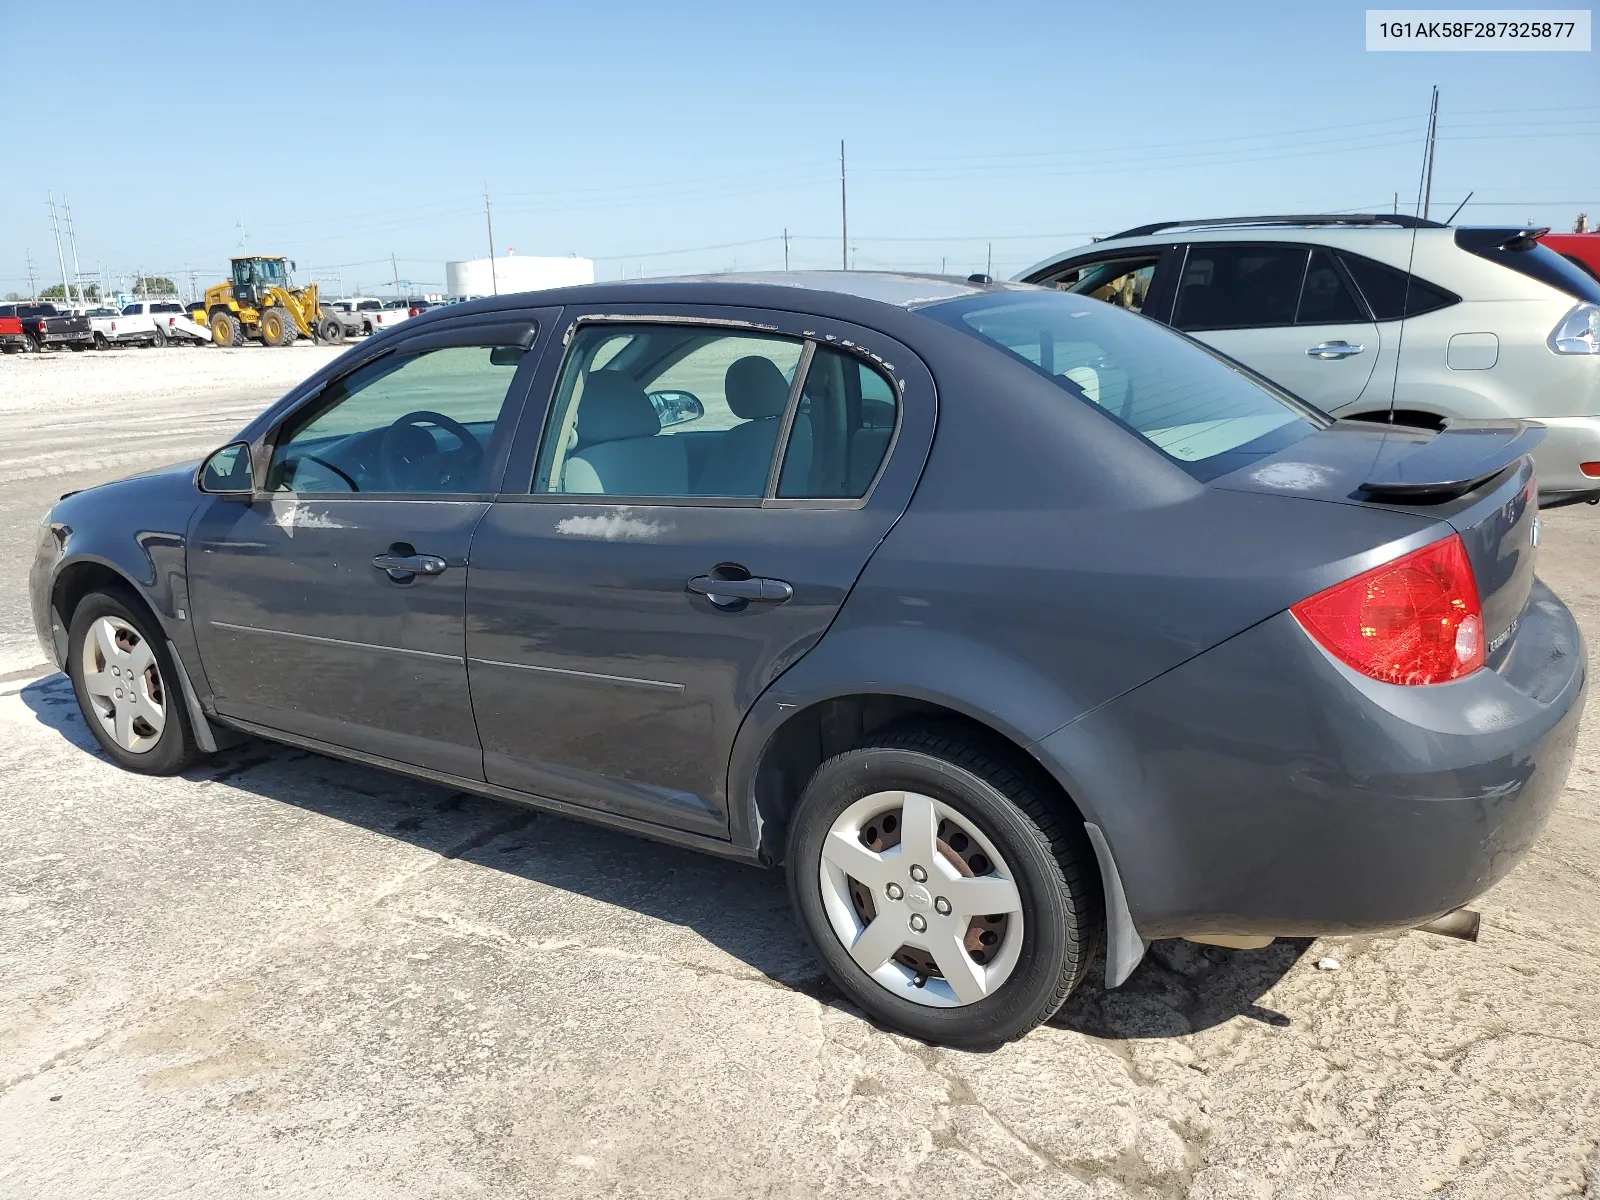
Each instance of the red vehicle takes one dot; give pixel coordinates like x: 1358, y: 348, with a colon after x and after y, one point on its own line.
x: 11, y: 338
x: 1581, y: 248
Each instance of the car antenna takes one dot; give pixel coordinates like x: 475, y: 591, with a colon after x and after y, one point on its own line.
x: 1451, y: 219
x: 1424, y: 186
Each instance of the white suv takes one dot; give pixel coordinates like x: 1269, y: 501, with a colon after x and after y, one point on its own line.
x: 1365, y: 316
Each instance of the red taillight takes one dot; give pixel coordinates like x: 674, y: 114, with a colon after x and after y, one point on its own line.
x: 1592, y: 470
x: 414, y: 312
x: 1414, y: 620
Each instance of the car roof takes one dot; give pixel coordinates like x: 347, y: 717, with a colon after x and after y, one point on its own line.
x: 845, y: 294
x: 1362, y: 233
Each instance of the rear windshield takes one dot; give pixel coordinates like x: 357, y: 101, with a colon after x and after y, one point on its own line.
x: 1204, y: 411
x: 1535, y: 261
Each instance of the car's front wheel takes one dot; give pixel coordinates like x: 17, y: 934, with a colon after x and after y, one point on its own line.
x: 941, y: 888
x: 127, y: 687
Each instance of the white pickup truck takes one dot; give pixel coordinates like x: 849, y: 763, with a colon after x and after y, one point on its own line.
x: 390, y: 315
x: 144, y: 323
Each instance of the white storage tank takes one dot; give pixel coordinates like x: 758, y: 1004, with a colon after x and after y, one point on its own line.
x: 514, y: 273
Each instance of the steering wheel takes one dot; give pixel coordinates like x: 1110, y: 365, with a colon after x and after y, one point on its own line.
x: 409, y: 458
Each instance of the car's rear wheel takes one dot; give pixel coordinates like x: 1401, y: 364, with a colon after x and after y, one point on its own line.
x: 127, y: 687
x: 100, y: 342
x: 159, y: 338
x: 940, y: 888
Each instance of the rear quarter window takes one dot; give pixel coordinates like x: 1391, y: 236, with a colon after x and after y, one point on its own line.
x: 1391, y: 293
x: 1194, y: 406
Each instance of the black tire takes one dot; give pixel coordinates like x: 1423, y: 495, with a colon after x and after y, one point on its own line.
x: 1048, y: 856
x: 225, y: 329
x: 30, y: 344
x: 332, y: 331
x: 79, y: 347
x: 286, y: 330
x: 159, y: 338
x: 100, y: 342
x: 176, y: 749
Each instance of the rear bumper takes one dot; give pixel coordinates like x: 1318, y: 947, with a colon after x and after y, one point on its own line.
x: 1568, y: 442
x: 1265, y: 789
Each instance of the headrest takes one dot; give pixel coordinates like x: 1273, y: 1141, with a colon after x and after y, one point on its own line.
x: 614, y: 407
x: 755, y: 388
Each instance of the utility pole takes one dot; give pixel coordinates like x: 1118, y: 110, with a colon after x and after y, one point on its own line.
x: 1397, y: 202
x: 844, y: 216
x: 395, y: 267
x: 494, y: 278
x: 988, y: 267
x: 1433, y: 132
x: 72, y: 240
x: 66, y: 290
x: 785, y: 249
x: 33, y: 292
x: 243, y: 237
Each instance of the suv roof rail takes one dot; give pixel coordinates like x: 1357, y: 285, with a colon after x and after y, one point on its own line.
x: 1399, y: 220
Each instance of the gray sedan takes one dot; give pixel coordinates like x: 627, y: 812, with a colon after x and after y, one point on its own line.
x: 1012, y: 625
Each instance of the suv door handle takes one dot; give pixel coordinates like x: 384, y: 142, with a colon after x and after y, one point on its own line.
x: 770, y: 591
x: 1327, y: 350
x: 402, y: 568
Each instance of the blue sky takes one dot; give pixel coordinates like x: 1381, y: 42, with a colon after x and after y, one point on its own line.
x: 685, y: 137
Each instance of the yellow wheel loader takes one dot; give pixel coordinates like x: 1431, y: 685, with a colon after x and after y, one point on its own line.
x: 259, y: 304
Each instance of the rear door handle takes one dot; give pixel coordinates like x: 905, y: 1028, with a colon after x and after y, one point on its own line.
x: 401, y: 567
x: 1328, y: 350
x: 769, y: 591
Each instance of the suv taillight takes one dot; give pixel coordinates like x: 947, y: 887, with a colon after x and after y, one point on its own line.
x: 414, y: 311
x: 1579, y: 331
x: 1415, y: 620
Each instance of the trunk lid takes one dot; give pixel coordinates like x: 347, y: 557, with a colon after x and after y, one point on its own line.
x: 1474, y: 475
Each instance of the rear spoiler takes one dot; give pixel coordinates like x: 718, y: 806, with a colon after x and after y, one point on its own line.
x: 1458, y: 459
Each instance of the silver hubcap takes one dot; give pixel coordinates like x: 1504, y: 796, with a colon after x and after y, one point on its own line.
x: 124, y: 684
x: 921, y: 899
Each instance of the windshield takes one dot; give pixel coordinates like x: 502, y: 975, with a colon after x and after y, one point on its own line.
x: 1204, y: 411
x: 270, y: 271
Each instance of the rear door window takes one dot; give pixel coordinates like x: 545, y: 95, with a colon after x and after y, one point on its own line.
x: 668, y: 411
x: 843, y: 428
x: 1325, y: 298
x: 1239, y: 286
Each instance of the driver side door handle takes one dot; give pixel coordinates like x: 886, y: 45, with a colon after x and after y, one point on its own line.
x: 403, y: 567
x: 770, y: 591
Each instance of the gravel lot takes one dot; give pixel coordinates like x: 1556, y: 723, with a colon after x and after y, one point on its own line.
x: 284, y: 975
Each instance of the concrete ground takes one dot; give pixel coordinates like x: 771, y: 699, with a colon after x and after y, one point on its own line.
x: 281, y: 975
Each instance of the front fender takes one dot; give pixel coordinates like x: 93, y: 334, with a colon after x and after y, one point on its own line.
x: 136, y: 531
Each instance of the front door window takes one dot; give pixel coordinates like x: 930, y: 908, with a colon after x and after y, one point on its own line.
x: 428, y: 422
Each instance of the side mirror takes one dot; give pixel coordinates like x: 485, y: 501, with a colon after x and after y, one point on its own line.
x: 228, y: 472
x: 677, y: 408
x: 506, y: 356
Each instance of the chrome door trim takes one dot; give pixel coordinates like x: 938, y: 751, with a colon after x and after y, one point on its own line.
x: 659, y: 684
x: 311, y: 637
